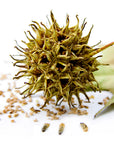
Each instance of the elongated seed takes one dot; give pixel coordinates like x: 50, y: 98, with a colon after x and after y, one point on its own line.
x: 45, y: 127
x: 61, y: 128
x: 84, y: 127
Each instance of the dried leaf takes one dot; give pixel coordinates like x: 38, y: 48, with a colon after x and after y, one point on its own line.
x: 105, y: 75
x: 111, y: 101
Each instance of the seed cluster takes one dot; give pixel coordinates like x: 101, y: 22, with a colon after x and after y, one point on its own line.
x: 58, y: 60
x: 15, y: 107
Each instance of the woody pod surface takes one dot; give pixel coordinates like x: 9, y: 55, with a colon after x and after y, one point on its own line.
x: 59, y: 61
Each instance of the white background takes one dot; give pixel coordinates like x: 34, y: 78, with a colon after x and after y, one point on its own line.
x: 15, y: 16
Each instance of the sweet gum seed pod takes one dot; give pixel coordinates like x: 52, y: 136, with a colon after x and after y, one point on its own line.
x: 59, y: 61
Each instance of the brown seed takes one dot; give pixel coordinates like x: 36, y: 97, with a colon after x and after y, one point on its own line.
x: 5, y: 111
x: 1, y: 113
x: 9, y: 88
x: 26, y: 115
x: 22, y: 111
x: 31, y: 113
x: 17, y: 91
x: 63, y: 107
x: 16, y: 114
x: 12, y: 95
x: 14, y: 84
x: 3, y: 95
x: 37, y: 104
x: 18, y: 108
x: 100, y: 103
x: 52, y: 100
x: 24, y: 102
x: 45, y: 127
x: 12, y: 121
x: 30, y: 99
x: 54, y: 117
x: 80, y: 112
x: 73, y: 100
x: 35, y: 120
x: 84, y: 127
x: 91, y: 97
x: 61, y: 111
x: 61, y: 128
x: 42, y: 97
x: 34, y: 110
x: 8, y: 100
x: 6, y: 107
x: 3, y: 77
x: 86, y: 107
x: 1, y: 92
x: 73, y: 111
x: 48, y: 113
x: 10, y: 116
x: 12, y: 111
x: 105, y: 100
x: 83, y: 106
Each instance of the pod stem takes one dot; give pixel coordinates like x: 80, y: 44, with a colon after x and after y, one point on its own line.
x: 101, y: 49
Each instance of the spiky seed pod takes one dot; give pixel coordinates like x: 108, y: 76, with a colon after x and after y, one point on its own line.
x: 58, y: 60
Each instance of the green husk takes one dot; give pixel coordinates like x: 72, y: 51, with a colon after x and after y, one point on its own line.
x: 105, y: 75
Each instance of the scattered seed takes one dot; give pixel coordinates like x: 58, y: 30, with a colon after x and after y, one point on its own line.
x: 18, y: 107
x: 5, y: 111
x: 83, y: 106
x: 16, y: 114
x: 37, y: 104
x: 24, y: 102
x: 101, y: 103
x: 10, y: 116
x: 35, y: 120
x: 12, y: 111
x: 91, y: 97
x: 12, y: 121
x: 1, y: 113
x: 3, y: 95
x: 17, y: 91
x: 22, y: 111
x: 73, y: 111
x: 84, y: 127
x: 34, y: 110
x: 1, y: 92
x: 3, y: 77
x: 61, y: 128
x: 30, y: 99
x: 26, y: 115
x: 45, y: 127
x: 84, y: 112
x: 42, y: 97
x: 14, y: 84
x: 9, y: 87
x: 31, y: 113
x: 52, y: 100
x: 105, y: 100
x: 54, y: 117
